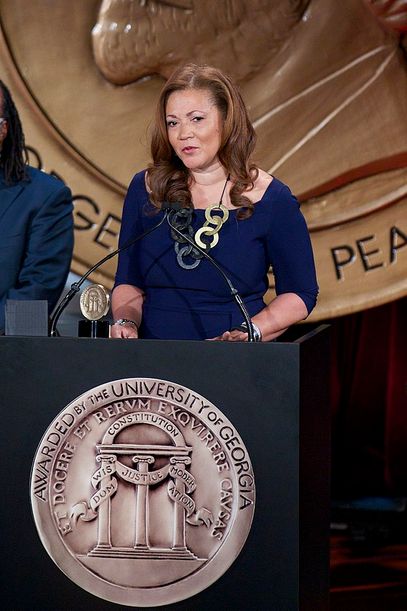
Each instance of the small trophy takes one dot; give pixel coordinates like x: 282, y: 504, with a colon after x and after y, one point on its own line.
x: 94, y: 303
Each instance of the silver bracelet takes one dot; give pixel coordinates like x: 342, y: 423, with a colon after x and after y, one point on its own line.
x: 125, y: 321
x: 256, y: 331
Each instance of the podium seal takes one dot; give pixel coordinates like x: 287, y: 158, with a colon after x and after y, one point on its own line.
x: 142, y: 492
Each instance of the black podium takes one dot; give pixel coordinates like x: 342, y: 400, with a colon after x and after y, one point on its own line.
x: 275, y: 394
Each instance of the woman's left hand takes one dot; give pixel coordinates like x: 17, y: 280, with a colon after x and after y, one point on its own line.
x: 231, y: 336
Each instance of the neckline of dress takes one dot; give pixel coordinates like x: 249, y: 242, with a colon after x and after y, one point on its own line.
x: 236, y: 209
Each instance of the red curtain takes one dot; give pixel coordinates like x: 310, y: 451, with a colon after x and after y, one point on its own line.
x: 369, y: 402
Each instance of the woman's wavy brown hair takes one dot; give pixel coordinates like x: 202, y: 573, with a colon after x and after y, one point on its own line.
x: 167, y: 177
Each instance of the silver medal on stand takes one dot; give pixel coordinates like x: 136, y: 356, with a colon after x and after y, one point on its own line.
x: 94, y: 304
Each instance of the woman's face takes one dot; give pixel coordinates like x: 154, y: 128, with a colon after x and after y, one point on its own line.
x: 194, y: 127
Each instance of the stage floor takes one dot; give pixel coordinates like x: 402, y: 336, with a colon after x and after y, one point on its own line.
x: 367, y: 578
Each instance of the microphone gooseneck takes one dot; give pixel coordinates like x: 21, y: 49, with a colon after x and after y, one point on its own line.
x: 75, y: 286
x: 233, y: 291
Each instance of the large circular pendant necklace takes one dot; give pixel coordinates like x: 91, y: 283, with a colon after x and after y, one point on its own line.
x: 206, y: 237
x: 216, y: 216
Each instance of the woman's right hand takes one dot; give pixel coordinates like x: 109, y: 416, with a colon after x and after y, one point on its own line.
x: 127, y: 330
x: 127, y: 309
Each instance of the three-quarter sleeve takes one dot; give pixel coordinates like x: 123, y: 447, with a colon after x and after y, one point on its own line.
x: 290, y: 250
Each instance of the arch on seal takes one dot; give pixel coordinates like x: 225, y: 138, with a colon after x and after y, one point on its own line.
x: 153, y: 419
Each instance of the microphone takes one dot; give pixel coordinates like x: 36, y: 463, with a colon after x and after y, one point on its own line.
x: 173, y: 207
x: 75, y: 286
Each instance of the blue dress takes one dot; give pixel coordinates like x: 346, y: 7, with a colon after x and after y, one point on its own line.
x: 196, y: 303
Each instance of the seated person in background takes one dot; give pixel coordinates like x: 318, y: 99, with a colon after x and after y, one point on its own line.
x: 201, y: 148
x: 36, y: 225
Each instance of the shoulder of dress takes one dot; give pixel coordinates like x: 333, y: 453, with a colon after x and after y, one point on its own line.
x: 280, y: 190
x: 139, y: 181
x: 278, y: 203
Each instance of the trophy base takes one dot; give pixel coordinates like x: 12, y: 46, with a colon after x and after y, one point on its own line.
x: 93, y: 328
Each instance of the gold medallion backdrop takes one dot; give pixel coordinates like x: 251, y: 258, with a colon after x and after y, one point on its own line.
x: 326, y: 87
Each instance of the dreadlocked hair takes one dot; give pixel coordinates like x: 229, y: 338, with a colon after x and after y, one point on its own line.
x: 13, y: 154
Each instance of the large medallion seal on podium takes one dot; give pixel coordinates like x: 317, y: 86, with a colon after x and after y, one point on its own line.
x: 142, y: 492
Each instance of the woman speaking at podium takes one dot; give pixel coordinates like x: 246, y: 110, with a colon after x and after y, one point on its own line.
x: 247, y: 221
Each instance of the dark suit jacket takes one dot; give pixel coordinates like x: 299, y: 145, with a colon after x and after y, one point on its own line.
x: 36, y: 239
